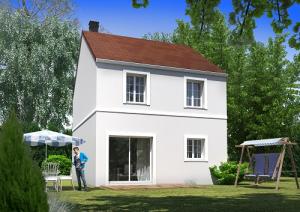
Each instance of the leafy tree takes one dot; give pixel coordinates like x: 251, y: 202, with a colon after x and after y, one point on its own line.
x: 243, y: 16
x: 140, y: 3
x: 21, y: 182
x: 213, y: 43
x: 202, y: 13
x: 41, y: 9
x: 40, y: 60
x: 262, y: 99
x: 159, y: 36
x: 246, y: 11
x: 235, y: 99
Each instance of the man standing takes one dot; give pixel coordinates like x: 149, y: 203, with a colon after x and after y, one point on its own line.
x: 79, y: 162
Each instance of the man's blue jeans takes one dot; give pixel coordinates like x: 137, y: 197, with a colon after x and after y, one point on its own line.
x: 80, y: 176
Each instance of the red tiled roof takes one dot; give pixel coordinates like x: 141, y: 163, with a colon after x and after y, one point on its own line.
x: 121, y: 48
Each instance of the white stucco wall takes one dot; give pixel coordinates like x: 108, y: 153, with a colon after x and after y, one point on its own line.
x: 167, y: 90
x: 169, y: 131
x: 167, y: 97
x: 84, y: 99
x: 87, y: 131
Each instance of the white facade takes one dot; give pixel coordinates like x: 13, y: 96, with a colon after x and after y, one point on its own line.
x: 100, y: 111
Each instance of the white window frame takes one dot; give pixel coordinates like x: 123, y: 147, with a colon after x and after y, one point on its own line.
x: 205, y: 158
x: 147, y: 87
x: 204, y: 93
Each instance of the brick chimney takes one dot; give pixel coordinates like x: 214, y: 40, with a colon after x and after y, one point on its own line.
x: 93, y: 26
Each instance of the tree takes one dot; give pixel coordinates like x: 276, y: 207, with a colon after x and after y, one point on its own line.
x: 235, y: 98
x: 243, y: 16
x: 159, y: 36
x: 202, y: 13
x: 213, y: 43
x: 246, y: 11
x: 140, y: 3
x: 262, y: 99
x: 21, y: 182
x: 40, y: 61
x: 41, y: 9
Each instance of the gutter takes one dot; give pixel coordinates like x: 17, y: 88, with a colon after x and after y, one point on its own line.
x: 168, y: 68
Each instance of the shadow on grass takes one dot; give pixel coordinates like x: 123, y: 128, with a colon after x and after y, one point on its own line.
x: 70, y: 188
x: 267, y: 185
x: 246, y: 202
x: 259, y: 186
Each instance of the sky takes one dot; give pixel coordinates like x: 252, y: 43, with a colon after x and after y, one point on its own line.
x: 119, y: 17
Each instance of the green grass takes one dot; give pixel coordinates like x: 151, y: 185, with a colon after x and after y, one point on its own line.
x: 205, y: 198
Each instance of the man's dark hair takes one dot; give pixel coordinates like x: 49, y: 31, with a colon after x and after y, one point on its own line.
x: 76, y: 147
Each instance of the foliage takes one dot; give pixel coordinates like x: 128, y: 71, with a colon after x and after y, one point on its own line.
x: 243, y: 16
x: 246, y: 11
x: 65, y: 164
x: 213, y: 43
x: 38, y: 152
x: 140, y: 3
x: 40, y: 61
x: 159, y: 36
x: 226, y: 172
x: 42, y: 8
x: 56, y: 205
x: 21, y: 182
x: 263, y: 101
x: 202, y: 13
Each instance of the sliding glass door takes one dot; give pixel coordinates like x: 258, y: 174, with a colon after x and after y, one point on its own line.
x: 129, y: 159
x: 118, y: 159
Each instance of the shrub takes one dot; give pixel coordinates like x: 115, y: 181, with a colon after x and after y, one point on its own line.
x: 56, y: 205
x: 22, y: 187
x: 65, y: 163
x: 225, y: 174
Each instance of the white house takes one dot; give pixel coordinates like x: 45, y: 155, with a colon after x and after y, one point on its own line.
x: 151, y: 112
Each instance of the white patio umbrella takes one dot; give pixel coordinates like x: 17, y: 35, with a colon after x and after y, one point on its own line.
x: 47, y: 137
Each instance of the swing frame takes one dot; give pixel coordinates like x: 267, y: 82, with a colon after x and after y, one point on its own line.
x: 286, y: 145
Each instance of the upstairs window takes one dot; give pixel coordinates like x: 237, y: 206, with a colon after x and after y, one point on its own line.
x: 137, y: 88
x: 195, y: 93
x: 135, y: 91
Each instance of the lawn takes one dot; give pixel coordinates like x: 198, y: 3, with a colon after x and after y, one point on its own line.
x: 203, y: 198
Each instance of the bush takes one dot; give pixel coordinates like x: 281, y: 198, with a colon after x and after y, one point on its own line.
x: 56, y: 205
x: 22, y: 187
x: 225, y: 174
x: 65, y: 164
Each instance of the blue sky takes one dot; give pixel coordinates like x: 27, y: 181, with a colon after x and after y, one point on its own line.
x: 118, y: 17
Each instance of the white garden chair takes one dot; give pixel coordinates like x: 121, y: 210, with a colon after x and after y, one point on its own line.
x: 50, y: 173
x: 66, y: 178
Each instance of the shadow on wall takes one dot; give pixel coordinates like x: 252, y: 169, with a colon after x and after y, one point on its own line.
x: 245, y: 202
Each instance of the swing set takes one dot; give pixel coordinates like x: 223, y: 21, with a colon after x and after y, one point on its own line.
x: 267, y: 166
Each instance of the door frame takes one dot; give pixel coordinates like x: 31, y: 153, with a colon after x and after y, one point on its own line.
x: 152, y: 157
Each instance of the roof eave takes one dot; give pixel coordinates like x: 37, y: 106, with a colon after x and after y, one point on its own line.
x: 118, y: 62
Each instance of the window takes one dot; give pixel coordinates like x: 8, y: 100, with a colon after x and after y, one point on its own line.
x: 136, y: 88
x: 195, y: 92
x: 135, y: 91
x: 195, y: 148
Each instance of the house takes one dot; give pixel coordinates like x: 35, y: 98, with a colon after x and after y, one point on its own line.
x: 151, y: 112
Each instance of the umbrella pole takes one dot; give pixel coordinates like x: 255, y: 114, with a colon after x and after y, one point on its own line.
x: 46, y: 152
